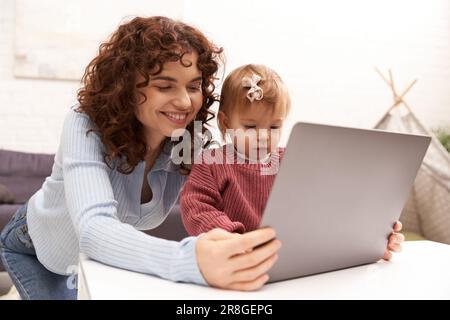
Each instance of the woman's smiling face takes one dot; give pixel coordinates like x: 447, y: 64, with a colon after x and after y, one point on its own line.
x: 174, y: 97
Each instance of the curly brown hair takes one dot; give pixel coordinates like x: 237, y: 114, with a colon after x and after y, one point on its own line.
x: 109, y: 93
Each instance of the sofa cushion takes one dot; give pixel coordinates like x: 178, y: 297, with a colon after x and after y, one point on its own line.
x: 6, y: 195
x: 6, y: 212
x: 171, y: 228
x: 23, y: 173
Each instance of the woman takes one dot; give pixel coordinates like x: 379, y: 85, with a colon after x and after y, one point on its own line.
x: 113, y: 173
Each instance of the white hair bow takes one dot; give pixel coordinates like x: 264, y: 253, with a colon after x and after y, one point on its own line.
x: 255, y: 92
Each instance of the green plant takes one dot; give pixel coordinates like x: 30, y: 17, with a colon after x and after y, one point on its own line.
x: 443, y: 134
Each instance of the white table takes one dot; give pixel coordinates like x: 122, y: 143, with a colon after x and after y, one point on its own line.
x: 420, y: 271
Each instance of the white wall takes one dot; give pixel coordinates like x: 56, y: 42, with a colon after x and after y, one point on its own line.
x: 32, y: 109
x: 325, y: 50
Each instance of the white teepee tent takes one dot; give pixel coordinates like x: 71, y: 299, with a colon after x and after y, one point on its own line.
x: 427, y: 211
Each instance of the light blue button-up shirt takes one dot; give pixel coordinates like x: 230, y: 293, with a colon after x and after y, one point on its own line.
x: 85, y: 206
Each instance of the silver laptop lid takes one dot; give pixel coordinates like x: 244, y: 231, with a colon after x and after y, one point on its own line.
x: 337, y: 195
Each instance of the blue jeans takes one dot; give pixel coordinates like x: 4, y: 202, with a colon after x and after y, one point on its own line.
x: 31, y: 278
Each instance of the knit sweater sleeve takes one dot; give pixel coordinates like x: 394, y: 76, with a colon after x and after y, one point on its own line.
x: 201, y: 203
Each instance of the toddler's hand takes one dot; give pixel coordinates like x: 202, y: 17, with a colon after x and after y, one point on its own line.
x: 395, y: 241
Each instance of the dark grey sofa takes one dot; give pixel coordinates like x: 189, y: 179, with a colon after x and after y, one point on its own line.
x: 23, y: 174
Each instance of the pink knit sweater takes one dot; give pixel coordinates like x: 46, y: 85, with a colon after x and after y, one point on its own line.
x: 228, y: 195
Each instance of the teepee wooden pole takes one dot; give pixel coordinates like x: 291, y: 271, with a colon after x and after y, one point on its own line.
x: 394, y: 92
x: 382, y: 76
x: 408, y: 88
x: 398, y: 99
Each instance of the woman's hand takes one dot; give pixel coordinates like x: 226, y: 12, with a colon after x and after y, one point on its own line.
x: 231, y: 261
x: 395, y: 241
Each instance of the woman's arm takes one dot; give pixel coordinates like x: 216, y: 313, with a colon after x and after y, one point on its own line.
x: 93, y: 210
x: 201, y: 201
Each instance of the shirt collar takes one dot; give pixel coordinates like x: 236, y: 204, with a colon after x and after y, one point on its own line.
x: 164, y: 161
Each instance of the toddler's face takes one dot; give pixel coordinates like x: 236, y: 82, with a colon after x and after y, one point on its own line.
x: 256, y: 129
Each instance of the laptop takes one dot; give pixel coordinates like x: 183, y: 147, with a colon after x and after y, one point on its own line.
x: 337, y: 195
